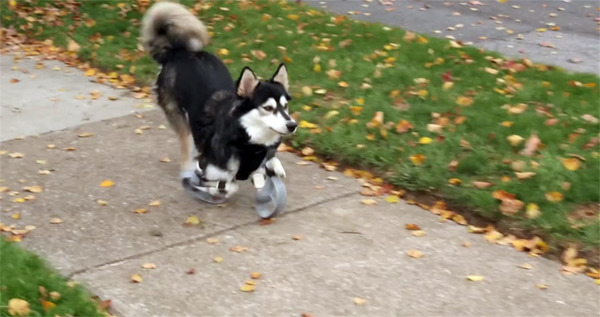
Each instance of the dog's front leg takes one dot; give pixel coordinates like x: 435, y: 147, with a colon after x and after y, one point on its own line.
x: 274, y: 165
x: 259, y: 177
x: 220, y: 182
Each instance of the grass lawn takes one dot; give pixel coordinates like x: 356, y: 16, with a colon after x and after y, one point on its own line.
x: 26, y: 277
x: 423, y: 113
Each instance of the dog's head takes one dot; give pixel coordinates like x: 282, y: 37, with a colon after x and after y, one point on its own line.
x: 268, y: 115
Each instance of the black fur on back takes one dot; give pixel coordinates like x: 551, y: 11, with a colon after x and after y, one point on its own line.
x: 202, y: 88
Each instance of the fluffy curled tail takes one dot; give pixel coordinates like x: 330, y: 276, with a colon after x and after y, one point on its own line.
x: 168, y: 26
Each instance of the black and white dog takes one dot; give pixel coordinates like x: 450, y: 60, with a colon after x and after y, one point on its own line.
x: 236, y: 127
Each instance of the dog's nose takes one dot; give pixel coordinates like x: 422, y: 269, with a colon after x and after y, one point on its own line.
x: 291, y: 126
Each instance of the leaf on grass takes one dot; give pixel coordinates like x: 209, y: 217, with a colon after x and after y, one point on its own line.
x: 403, y: 126
x: 554, y: 197
x: 531, y: 146
x: 514, y: 139
x: 524, y: 175
x: 47, y: 305
x: 572, y: 164
x: 510, y: 206
x: 18, y: 307
x: 481, y: 184
x: 418, y: 159
x: 532, y: 211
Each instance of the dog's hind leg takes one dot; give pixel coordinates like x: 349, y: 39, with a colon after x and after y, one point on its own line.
x: 179, y: 122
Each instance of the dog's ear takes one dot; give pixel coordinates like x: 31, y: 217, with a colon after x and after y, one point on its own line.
x: 247, y: 83
x: 281, y: 76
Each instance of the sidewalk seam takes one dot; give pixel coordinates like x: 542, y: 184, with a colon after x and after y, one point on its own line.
x: 201, y: 237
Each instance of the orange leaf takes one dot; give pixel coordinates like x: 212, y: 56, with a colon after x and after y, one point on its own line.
x: 418, y: 159
x: 554, y: 197
x: 502, y: 195
x: 572, y: 164
x: 403, y: 126
x: 412, y: 226
x: 107, y: 183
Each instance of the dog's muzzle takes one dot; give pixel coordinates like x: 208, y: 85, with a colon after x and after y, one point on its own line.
x: 291, y: 126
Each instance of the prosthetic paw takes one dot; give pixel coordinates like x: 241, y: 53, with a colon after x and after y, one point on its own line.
x: 201, y: 193
x: 271, y: 198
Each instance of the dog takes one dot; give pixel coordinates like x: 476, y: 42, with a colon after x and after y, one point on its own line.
x: 227, y: 130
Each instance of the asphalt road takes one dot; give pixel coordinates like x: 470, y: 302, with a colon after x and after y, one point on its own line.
x: 561, y: 33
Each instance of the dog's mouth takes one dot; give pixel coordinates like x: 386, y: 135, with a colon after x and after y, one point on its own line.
x: 281, y: 133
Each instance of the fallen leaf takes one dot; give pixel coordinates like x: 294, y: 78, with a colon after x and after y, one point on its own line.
x: 418, y: 233
x: 149, y: 266
x: 515, y: 140
x: 72, y: 46
x: 155, y: 203
x: 569, y: 254
x: 47, y: 305
x: 255, y: 275
x: 191, y: 221
x: 572, y: 164
x: 136, y: 278
x: 107, y: 183
x: 411, y: 226
x: 141, y: 211
x: 532, y: 211
x: 16, y: 155
x: 531, y: 146
x: 418, y: 159
x: 218, y: 259
x: 554, y: 197
x: 297, y: 237
x: 475, y: 278
x: 14, y: 81
x: 464, y: 101
x: 542, y: 286
x: 369, y: 202
x: 392, y: 199
x: 247, y: 288
x: 415, y: 253
x: 85, y: 134
x: 526, y: 266
x: 510, y: 206
x: 165, y: 160
x: 56, y: 221
x: 238, y: 248
x: 212, y: 240
x: 359, y: 301
x: 18, y: 307
x: 33, y: 189
x: 524, y: 175
x: 482, y: 185
x: 55, y: 295
x: 102, y: 202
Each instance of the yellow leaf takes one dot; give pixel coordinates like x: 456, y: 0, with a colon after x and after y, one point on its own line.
x: 532, y: 211
x: 16, y: 155
x: 19, y: 200
x: 392, y: 199
x: 418, y: 159
x: 317, y: 68
x: 212, y: 240
x: 447, y: 85
x: 33, y: 189
x: 56, y: 221
x: 425, y: 140
x: 90, y: 72
x: 343, y: 84
x: 218, y: 259
x: 459, y: 219
x: 136, y: 278
x: 141, y: 211
x: 102, y: 202
x: 85, y: 134
x: 422, y: 40
x: 464, y: 101
x: 72, y: 46
x: 247, y: 288
x: 526, y: 266
x: 514, y: 139
x: 524, y: 175
x: 455, y: 181
x: 540, y: 286
x: 369, y: 202
x: 507, y: 124
x: 293, y: 17
x: 47, y: 305
x: 415, y: 253
x: 307, y: 125
x: 554, y: 197
x: 475, y: 278
x: 359, y: 301
x: 255, y: 275
x: 107, y: 183
x: 572, y: 164
x: 155, y: 203
x: 16, y: 215
x: 149, y: 266
x: 222, y: 52
x: 418, y: 233
x: 192, y: 221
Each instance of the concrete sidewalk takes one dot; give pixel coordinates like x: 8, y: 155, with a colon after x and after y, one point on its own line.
x: 555, y: 32
x: 320, y: 257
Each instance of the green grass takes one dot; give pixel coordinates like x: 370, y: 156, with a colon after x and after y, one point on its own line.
x: 22, y: 274
x: 286, y: 31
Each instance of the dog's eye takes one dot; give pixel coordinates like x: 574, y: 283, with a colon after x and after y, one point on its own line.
x: 268, y: 108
